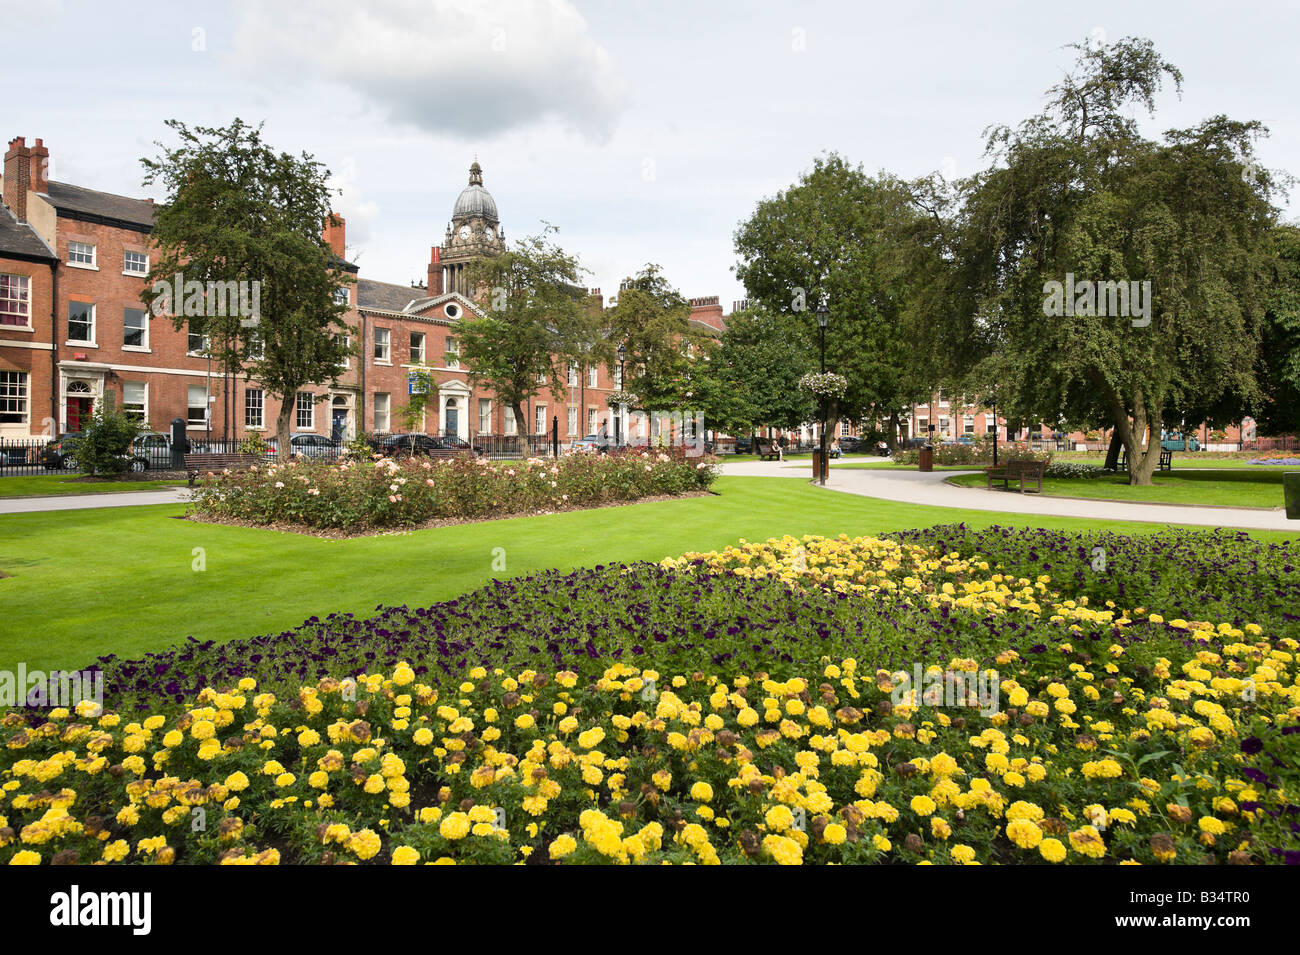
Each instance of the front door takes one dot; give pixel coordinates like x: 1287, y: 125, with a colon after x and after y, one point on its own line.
x: 452, y: 426
x: 78, y: 412
x: 340, y: 424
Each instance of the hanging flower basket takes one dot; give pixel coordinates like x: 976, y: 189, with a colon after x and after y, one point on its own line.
x: 824, y: 385
x: 617, y: 398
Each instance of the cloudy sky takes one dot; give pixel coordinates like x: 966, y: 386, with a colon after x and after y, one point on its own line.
x: 645, y: 131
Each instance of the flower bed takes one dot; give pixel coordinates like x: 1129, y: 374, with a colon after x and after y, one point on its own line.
x: 744, y: 705
x: 359, y: 496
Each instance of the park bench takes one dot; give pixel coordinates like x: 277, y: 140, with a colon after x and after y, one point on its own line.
x: 767, y: 450
x: 1017, y: 470
x: 196, y: 464
x: 1166, y: 459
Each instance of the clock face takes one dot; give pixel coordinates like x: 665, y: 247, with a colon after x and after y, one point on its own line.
x: 464, y: 232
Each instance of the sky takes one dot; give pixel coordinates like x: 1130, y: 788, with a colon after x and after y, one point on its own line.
x: 646, y: 132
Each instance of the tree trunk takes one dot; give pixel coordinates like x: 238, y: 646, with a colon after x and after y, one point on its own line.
x: 282, y: 423
x: 521, y: 426
x: 1112, y: 452
x: 891, y: 436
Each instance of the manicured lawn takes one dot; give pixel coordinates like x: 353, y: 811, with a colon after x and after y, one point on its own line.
x: 84, y: 583
x: 32, y: 485
x: 1256, y: 487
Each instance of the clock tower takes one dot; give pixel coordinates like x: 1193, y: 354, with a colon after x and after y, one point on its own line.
x: 474, y: 231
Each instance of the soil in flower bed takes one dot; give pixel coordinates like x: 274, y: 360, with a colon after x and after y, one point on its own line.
x: 334, y: 533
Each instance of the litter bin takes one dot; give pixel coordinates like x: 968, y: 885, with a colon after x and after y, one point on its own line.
x: 926, y: 458
x: 1291, y: 494
x: 819, y: 465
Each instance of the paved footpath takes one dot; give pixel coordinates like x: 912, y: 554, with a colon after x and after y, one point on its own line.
x: 77, y: 502
x: 914, y: 487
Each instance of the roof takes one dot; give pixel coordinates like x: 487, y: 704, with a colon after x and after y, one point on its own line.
x: 475, y: 200
x: 387, y: 295
x: 78, y: 202
x: 18, y: 240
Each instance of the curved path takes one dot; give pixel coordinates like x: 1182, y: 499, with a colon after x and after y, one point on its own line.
x: 77, y: 502
x: 914, y: 487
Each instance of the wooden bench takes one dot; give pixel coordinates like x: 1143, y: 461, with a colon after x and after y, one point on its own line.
x: 1166, y: 460
x: 767, y: 450
x: 1017, y: 470
x: 196, y: 464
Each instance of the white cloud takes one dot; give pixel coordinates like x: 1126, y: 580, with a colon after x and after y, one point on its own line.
x: 472, y: 68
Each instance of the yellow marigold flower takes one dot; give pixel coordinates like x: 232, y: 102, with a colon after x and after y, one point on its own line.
x: 562, y: 846
x: 701, y: 792
x: 1052, y: 850
x: 922, y: 805
x: 405, y: 855
x: 454, y: 826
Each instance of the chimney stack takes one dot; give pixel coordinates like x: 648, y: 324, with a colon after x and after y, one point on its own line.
x: 40, y: 168
x: 18, y: 177
x: 334, y: 234
x: 435, y: 272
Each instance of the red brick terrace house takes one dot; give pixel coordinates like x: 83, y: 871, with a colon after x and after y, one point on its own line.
x: 73, y: 330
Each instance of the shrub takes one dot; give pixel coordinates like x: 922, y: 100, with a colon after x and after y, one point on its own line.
x: 105, y: 442
x: 360, y: 495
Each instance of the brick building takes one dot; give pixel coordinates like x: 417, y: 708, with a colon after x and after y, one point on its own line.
x: 74, y: 331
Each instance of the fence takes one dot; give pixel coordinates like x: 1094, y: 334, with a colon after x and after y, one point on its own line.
x: 1286, y: 443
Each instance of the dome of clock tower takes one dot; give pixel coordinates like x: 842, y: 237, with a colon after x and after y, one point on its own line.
x: 475, y: 201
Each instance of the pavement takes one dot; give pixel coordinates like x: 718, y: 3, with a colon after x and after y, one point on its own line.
x: 77, y: 502
x: 910, y: 486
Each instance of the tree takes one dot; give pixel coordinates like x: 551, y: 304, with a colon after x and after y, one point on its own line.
x: 1107, y: 279
x: 1279, y: 412
x: 105, y: 442
x: 753, y: 374
x: 857, y: 243
x: 535, y: 319
x: 243, y: 222
x: 652, y: 321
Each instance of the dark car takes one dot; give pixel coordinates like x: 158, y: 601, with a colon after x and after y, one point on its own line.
x: 307, y: 444
x: 408, y: 445
x: 459, y: 445
x: 745, y: 445
x: 152, y: 449
x: 851, y: 445
x: 61, y: 453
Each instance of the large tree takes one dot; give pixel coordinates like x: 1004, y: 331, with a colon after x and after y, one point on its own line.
x: 852, y: 241
x: 754, y: 372
x: 1279, y: 411
x: 1104, y: 278
x: 245, y: 221
x: 535, y: 319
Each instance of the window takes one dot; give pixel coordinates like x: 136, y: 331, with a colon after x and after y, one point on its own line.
x: 381, y: 345
x: 417, y: 348
x: 254, y: 408
x: 342, y: 296
x: 990, y: 424
x: 484, y: 416
x: 196, y: 415
x: 943, y: 426
x: 134, y: 395
x: 591, y: 421
x: 196, y: 341
x: 573, y: 419
x: 618, y: 377
x: 306, y: 412
x: 13, y: 397
x: 591, y: 377
x: 968, y: 424
x: 81, y: 322
x: 381, y: 413
x: 453, y: 353
x: 344, y: 341
x: 135, y: 263
x: 256, y: 347
x: 845, y: 429
x: 573, y: 374
x: 81, y: 253
x: 135, y: 328
x: 15, y: 300
x: 510, y: 420
x: 540, y: 419
x: 923, y: 425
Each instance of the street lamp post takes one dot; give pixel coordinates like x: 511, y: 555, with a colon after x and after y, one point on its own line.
x: 823, y: 319
x: 622, y: 386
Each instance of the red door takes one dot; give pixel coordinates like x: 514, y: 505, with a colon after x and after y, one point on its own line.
x: 78, y: 413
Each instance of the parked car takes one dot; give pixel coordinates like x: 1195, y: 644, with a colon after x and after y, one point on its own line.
x: 745, y: 445
x: 851, y: 445
x: 590, y: 442
x: 453, y: 443
x: 153, y: 450
x: 1174, y: 441
x: 407, y: 445
x: 61, y: 452
x: 307, y: 444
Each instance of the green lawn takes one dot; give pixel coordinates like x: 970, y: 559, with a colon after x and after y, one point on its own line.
x: 34, y: 485
x: 87, y: 582
x: 1256, y: 487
